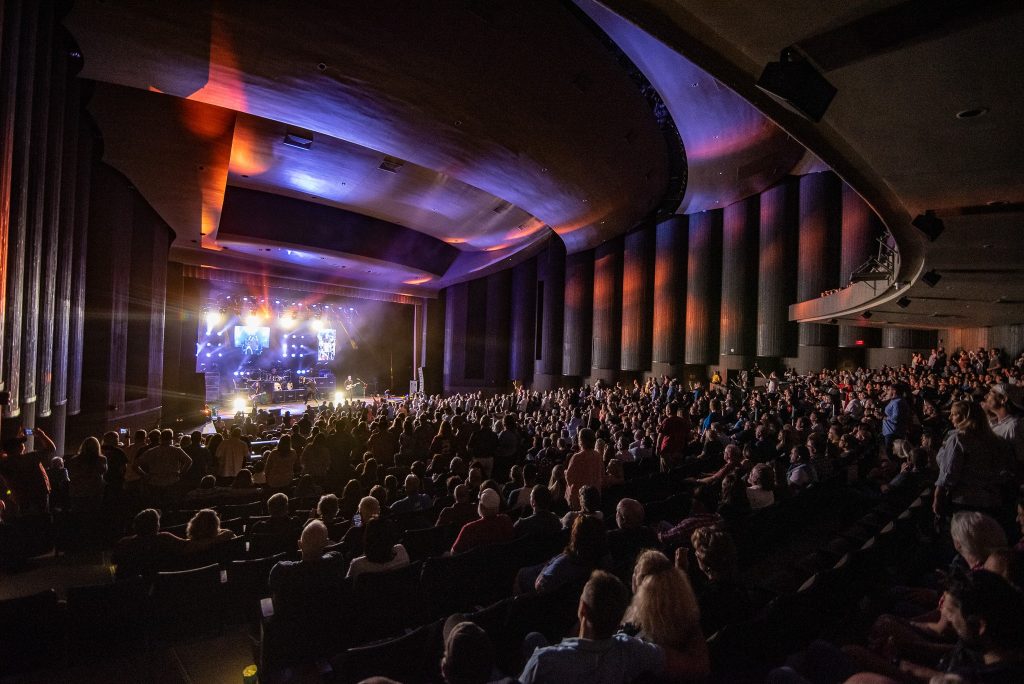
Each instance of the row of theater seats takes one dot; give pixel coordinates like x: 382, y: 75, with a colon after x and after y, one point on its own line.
x: 860, y: 561
x: 462, y: 584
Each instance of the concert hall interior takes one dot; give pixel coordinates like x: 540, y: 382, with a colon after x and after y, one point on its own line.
x: 446, y: 250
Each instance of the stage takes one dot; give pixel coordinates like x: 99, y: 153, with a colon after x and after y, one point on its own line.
x: 296, y: 409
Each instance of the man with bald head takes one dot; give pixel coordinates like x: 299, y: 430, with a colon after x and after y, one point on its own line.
x: 299, y: 587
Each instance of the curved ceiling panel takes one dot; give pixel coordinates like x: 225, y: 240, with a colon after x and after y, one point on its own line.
x: 368, y: 182
x: 516, y: 99
x: 732, y: 150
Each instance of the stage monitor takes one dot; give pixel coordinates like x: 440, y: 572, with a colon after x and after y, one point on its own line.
x: 326, y: 342
x: 251, y: 341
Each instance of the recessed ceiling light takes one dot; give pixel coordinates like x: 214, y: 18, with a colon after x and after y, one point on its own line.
x: 972, y: 113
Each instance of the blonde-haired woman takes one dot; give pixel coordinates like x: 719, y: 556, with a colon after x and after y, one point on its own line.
x: 971, y: 461
x: 664, y: 611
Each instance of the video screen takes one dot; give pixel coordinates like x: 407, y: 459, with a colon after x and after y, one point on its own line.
x: 251, y: 341
x: 326, y: 343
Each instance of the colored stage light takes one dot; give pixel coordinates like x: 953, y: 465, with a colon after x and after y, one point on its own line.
x: 315, y: 324
x: 252, y: 320
x: 239, y: 404
x: 213, y: 318
x: 339, y: 397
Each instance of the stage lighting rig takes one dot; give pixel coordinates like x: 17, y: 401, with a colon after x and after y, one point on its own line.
x: 240, y: 404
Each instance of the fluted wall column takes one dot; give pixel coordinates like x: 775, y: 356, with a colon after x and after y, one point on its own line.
x: 17, y: 233
x: 818, y: 267
x: 456, y: 299
x: 776, y: 287
x: 435, y: 343
x: 499, y: 288
x: 11, y: 25
x: 551, y: 280
x: 738, y: 316
x: 76, y: 315
x: 607, y: 305
x: 703, y: 287
x: 669, y: 330
x: 524, y: 318
x: 637, y: 300
x: 579, y: 307
x: 860, y: 227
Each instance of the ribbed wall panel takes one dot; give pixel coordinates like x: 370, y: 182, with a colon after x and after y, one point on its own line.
x: 456, y: 299
x: 19, y: 211
x: 818, y: 248
x: 499, y: 288
x: 76, y: 316
x: 607, y: 305
x: 738, y: 315
x: 670, y: 255
x: 524, y: 314
x: 703, y: 287
x: 551, y: 274
x: 776, y: 336
x: 897, y: 338
x: 860, y: 228
x: 637, y: 300
x: 579, y: 307
x: 66, y: 248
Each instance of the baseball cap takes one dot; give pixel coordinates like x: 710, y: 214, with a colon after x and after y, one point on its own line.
x: 1012, y: 393
x: 490, y: 499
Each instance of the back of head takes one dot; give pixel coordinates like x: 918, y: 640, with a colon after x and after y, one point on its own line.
x: 147, y: 522
x: 468, y: 653
x: 313, y: 540
x: 590, y: 499
x: 588, y: 439
x: 716, y: 553
x: 490, y: 503
x: 277, y: 505
x: 629, y: 513
x: 976, y: 535
x: 664, y: 607
x: 369, y: 508
x: 605, y: 599
x: 540, y: 498
x: 377, y: 542
x: 412, y: 485
x: 328, y: 506
x: 166, y: 436
x: 588, y: 542
x: 204, y: 525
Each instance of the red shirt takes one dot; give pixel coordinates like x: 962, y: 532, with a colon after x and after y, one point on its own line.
x: 491, y: 530
x: 675, y: 434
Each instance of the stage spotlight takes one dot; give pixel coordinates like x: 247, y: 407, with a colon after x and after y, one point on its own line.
x: 316, y: 324
x: 866, y: 315
x: 286, y: 322
x: 213, y: 318
x: 239, y: 404
x: 252, y: 320
x: 339, y: 397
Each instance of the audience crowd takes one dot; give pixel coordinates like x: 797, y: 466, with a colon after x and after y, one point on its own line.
x: 338, y: 487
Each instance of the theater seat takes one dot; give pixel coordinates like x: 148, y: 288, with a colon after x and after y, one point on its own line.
x: 188, y: 602
x: 103, y: 618
x: 387, y: 602
x: 31, y: 632
x: 247, y: 584
x: 412, y: 657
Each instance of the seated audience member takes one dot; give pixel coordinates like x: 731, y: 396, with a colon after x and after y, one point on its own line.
x: 206, y: 492
x: 204, y: 532
x: 599, y: 655
x: 380, y: 553
x: 542, y: 521
x: 801, y: 472
x: 242, y: 487
x: 761, y: 492
x: 460, y: 512
x: 586, y: 551
x: 491, y: 528
x: 300, y: 587
x: 734, y: 505
x: 520, y: 497
x: 326, y: 511
x: 590, y: 504
x: 468, y: 654
x: 614, y: 474
x: 723, y: 601
x: 148, y: 549
x: 352, y: 542
x: 631, y: 536
x: 702, y: 514
x: 307, y: 488
x: 664, y: 611
x: 279, y: 523
x: 985, y: 612
x: 414, y: 500
x: 348, y: 505
x: 86, y: 471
